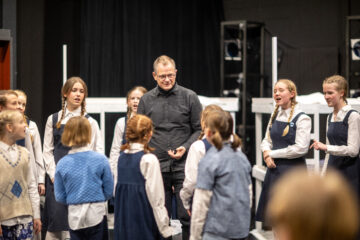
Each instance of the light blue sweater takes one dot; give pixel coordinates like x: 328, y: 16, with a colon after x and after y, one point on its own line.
x: 83, y: 177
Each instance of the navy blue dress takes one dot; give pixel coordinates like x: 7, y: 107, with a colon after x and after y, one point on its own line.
x: 282, y: 164
x: 337, y: 134
x: 134, y: 218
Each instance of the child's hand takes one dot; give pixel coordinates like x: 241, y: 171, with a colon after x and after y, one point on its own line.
x: 41, y: 189
x: 318, y: 146
x: 266, y: 154
x: 37, y: 225
x: 188, y: 211
x: 270, y: 162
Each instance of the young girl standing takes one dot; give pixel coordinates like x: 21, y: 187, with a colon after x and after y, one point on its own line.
x: 222, y: 200
x: 286, y: 141
x: 83, y: 181
x: 35, y: 141
x: 342, y: 134
x: 140, y: 212
x: 196, y: 152
x: 20, y: 202
x: 132, y: 100
x: 73, y: 95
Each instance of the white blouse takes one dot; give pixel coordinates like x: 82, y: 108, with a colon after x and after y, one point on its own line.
x: 196, y: 152
x: 302, y: 138
x: 33, y: 144
x: 96, y: 143
x: 115, y: 147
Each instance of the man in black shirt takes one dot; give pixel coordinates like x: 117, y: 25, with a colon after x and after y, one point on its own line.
x: 175, y: 112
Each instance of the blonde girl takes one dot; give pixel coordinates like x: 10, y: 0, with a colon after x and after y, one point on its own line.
x: 222, y: 200
x: 35, y: 141
x: 140, y: 211
x: 196, y: 152
x: 83, y: 181
x: 73, y: 95
x: 132, y: 100
x: 20, y: 202
x: 342, y: 132
x: 286, y: 141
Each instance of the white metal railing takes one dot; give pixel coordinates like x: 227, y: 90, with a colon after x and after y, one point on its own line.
x: 118, y: 105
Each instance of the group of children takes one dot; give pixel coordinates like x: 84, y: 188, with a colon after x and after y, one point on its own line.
x: 77, y: 179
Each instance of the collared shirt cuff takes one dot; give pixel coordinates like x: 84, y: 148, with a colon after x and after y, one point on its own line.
x: 167, y: 232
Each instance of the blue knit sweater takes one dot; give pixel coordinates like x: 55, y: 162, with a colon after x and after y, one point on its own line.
x: 83, y: 177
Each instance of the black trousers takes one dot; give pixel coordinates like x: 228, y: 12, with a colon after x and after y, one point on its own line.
x: 176, y: 179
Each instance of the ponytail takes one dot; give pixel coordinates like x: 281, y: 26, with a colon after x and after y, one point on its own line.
x: 236, y: 143
x: 216, y: 139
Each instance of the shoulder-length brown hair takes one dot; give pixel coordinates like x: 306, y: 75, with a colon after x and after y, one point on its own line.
x: 77, y: 132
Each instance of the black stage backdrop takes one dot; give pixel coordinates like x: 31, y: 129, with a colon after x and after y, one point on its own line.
x: 119, y: 40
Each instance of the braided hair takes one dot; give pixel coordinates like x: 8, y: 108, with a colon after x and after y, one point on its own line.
x: 66, y: 89
x: 291, y: 88
x: 138, y: 129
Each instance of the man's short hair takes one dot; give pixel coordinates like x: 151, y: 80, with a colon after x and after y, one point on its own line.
x: 164, y: 60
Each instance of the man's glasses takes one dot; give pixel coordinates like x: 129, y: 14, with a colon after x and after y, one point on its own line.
x: 164, y: 76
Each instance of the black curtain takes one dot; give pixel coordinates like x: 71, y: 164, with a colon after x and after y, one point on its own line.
x: 120, y: 39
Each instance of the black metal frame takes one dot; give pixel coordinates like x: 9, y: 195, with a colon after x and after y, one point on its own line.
x: 348, y: 49
x: 243, y: 25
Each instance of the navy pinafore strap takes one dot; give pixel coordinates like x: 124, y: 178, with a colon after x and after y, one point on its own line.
x: 207, y: 144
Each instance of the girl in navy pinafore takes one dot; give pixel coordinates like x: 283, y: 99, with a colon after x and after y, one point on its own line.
x: 140, y: 212
x: 342, y: 137
x: 73, y: 93
x: 286, y: 142
x: 132, y: 101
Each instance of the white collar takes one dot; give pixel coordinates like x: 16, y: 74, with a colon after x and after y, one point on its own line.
x: 135, y: 147
x: 6, y: 147
x: 75, y: 112
x: 79, y: 149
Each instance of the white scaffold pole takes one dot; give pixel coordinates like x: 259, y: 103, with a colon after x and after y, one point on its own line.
x: 64, y: 63
x: 274, y: 61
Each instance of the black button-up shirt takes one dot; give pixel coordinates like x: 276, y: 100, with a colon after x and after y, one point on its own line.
x: 176, y: 119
